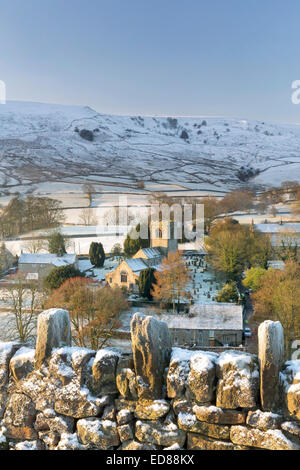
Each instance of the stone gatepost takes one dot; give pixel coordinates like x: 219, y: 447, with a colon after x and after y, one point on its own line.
x: 271, y: 357
x: 53, y: 331
x: 151, y: 346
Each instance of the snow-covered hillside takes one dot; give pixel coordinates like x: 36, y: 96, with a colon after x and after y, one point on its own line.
x: 42, y: 142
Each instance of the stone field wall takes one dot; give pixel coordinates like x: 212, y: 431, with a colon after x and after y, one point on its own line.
x: 60, y: 397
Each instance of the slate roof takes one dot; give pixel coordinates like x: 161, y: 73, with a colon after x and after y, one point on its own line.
x: 221, y: 316
x: 46, y: 258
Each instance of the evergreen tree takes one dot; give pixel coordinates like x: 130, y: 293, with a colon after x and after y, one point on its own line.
x: 56, y: 243
x: 59, y: 275
x: 96, y: 254
x: 146, y: 280
x: 132, y: 246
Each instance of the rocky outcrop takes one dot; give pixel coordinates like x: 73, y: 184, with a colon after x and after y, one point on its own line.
x: 151, y: 346
x: 270, y: 355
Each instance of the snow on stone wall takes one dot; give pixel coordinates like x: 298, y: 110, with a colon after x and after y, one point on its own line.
x: 75, y: 398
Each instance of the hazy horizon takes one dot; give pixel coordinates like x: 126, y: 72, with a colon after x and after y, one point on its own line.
x: 232, y: 59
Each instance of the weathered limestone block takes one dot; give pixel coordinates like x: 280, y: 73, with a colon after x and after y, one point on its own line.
x: 109, y: 413
x: 182, y: 405
x: 125, y: 377
x: 159, y: 434
x: 202, y: 377
x: 199, y: 442
x: 189, y: 422
x: 19, y: 417
x: 263, y: 420
x: 41, y: 388
x: 53, y: 331
x: 104, y: 372
x: 70, y: 442
x: 22, y: 363
x: 29, y: 445
x: 69, y: 363
x: 151, y: 409
x: 125, y: 432
x: 291, y: 428
x: 122, y: 404
x: 135, y: 445
x: 126, y: 383
x: 173, y: 447
x: 124, y: 417
x: 151, y: 345
x: 81, y: 359
x: 216, y: 415
x: 7, y: 350
x: 270, y: 355
x: 238, y: 382
x: 57, y: 424
x: 178, y: 371
x: 50, y: 439
x: 60, y: 365
x: 273, y: 439
x: 290, y: 378
x: 77, y: 402
x: 101, y: 434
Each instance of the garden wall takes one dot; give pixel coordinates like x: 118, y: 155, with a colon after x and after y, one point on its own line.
x: 159, y: 397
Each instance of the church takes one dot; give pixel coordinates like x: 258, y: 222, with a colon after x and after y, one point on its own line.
x: 162, y: 241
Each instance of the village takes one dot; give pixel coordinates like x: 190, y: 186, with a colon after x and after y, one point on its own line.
x: 204, y: 296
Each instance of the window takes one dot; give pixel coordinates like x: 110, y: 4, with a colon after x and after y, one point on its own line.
x: 200, y: 338
x: 229, y: 339
x: 123, y: 276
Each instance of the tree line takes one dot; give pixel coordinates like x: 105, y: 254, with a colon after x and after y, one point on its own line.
x: 32, y: 213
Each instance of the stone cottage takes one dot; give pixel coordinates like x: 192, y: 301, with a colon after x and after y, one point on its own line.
x: 207, y: 325
x: 37, y: 266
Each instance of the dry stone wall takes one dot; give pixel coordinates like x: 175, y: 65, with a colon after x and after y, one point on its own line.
x: 60, y: 397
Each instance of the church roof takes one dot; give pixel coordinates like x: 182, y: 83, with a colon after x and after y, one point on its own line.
x: 136, y: 264
x: 151, y: 252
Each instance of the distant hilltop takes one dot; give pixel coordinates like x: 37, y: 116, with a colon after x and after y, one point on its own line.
x: 48, y: 142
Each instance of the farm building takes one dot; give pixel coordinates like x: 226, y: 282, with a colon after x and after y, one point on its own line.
x: 208, y: 325
x: 286, y: 233
x: 38, y: 266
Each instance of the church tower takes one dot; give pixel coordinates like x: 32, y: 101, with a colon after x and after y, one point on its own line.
x: 162, y: 235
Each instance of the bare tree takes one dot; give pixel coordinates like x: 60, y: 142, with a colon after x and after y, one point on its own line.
x: 89, y: 189
x: 36, y: 245
x: 87, y: 217
x: 24, y: 298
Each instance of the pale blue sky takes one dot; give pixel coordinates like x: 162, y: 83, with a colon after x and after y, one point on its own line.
x: 165, y: 57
